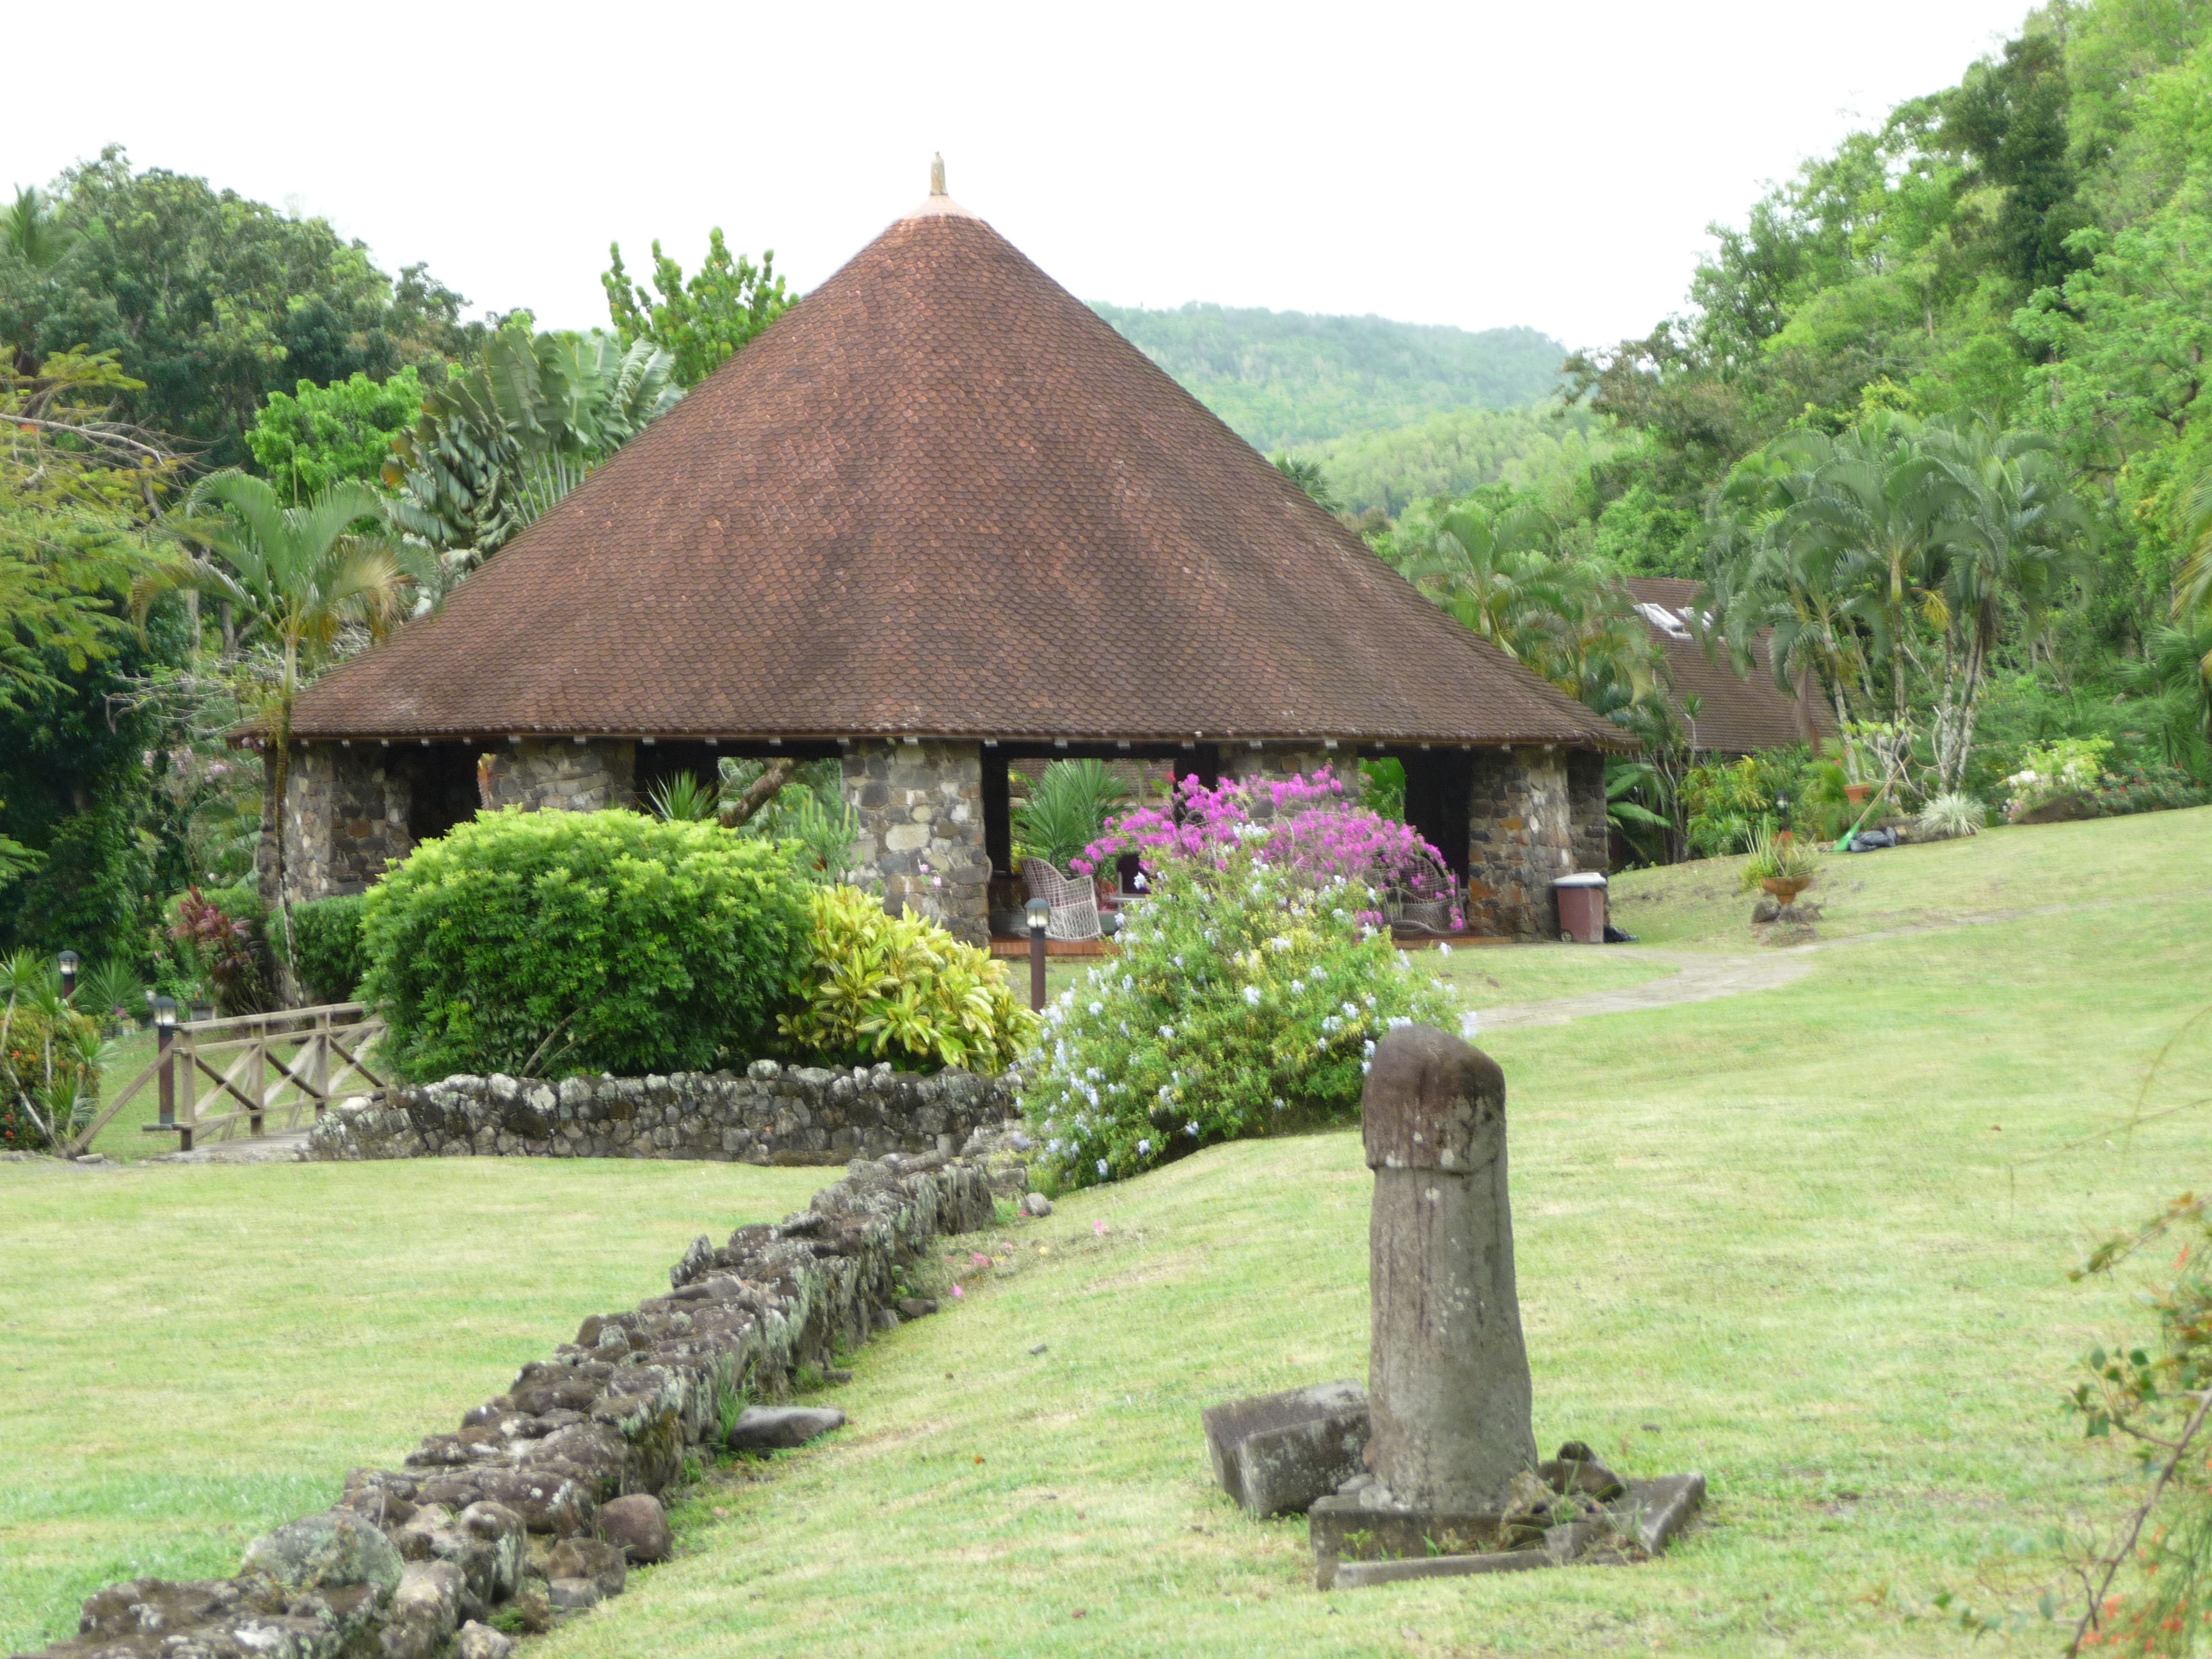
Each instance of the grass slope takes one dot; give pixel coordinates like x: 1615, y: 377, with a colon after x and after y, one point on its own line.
x: 190, y: 1354
x: 1812, y: 1242
x: 1284, y: 377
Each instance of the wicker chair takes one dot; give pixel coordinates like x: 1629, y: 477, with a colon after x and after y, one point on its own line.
x: 1073, y: 901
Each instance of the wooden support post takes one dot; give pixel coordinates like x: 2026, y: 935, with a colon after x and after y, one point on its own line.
x: 318, y: 1068
x: 258, y: 1070
x: 184, y: 1061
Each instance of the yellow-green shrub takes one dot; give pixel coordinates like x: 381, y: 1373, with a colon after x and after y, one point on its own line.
x: 901, y: 988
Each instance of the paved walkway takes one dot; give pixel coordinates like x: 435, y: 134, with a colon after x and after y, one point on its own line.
x: 280, y: 1146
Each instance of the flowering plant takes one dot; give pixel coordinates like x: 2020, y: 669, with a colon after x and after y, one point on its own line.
x: 2069, y: 766
x: 1247, y: 998
x: 1314, y: 827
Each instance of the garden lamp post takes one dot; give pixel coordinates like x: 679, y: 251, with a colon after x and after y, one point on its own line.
x: 1040, y: 912
x: 165, y: 1032
x: 69, y: 961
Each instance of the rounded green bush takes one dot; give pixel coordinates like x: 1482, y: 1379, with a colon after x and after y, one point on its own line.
x: 551, y: 944
x: 328, y: 952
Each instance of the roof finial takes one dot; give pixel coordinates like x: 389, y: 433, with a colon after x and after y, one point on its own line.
x: 937, y: 176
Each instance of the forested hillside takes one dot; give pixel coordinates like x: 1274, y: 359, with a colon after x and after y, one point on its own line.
x: 1459, y: 451
x: 1284, y: 378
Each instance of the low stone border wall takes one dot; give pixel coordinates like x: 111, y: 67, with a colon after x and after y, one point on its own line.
x: 770, y: 1113
x: 465, y: 1529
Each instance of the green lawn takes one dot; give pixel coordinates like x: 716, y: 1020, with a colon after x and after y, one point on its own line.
x: 2000, y: 871
x: 194, y: 1354
x: 1811, y: 1241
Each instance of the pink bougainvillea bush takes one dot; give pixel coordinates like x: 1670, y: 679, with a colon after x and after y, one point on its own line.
x: 1312, y: 827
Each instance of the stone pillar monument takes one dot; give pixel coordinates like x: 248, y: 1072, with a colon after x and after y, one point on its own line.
x: 1448, y: 1377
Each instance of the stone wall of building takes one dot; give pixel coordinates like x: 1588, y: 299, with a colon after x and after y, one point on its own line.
x: 1586, y: 811
x: 1278, y: 764
x: 559, y: 775
x: 502, y: 1522
x: 768, y: 1114
x: 1520, y: 836
x: 920, y: 807
x: 345, y: 816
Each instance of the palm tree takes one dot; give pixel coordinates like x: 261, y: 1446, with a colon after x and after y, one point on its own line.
x: 298, y: 579
x: 1492, y: 570
x: 2013, y: 526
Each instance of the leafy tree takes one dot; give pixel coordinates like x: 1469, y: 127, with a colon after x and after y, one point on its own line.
x: 514, y: 431
x: 702, y: 322
x: 210, y: 301
x: 319, y: 436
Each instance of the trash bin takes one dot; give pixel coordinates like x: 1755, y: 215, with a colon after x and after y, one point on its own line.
x: 1582, y: 907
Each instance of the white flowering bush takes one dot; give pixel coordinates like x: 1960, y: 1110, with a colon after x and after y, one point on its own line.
x: 1247, y: 999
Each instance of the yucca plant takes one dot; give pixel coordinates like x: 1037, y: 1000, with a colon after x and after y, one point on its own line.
x: 1954, y: 813
x: 50, y: 1059
x: 684, y: 800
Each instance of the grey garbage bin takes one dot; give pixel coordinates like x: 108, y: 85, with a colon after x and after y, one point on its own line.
x: 1582, y: 907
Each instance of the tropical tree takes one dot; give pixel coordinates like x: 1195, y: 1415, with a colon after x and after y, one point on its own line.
x: 2013, y: 527
x: 701, y: 323
x: 1309, y: 477
x: 301, y: 580
x: 510, y: 435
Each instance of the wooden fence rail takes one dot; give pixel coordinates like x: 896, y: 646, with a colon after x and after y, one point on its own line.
x: 212, y: 1075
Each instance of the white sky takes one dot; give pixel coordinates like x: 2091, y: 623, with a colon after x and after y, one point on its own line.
x: 1481, y: 163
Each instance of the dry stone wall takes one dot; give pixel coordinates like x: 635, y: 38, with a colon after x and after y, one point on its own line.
x: 505, y: 1512
x: 770, y: 1113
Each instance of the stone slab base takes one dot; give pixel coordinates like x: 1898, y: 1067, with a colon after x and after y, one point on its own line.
x: 1276, y: 1453
x: 1356, y: 1544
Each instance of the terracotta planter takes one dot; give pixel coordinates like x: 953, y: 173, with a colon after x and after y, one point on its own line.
x: 1785, y: 891
x: 1858, y: 792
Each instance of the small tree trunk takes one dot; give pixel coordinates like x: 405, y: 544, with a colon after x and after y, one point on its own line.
x: 762, y: 791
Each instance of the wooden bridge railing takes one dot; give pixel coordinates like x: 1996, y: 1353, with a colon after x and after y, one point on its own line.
x: 211, y: 1075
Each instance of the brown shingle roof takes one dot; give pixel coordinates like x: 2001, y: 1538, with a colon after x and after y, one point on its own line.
x: 941, y: 497
x: 1738, y: 714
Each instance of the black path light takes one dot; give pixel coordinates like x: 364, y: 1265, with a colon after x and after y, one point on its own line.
x: 165, y: 1031
x: 1040, y: 914
x: 68, y: 962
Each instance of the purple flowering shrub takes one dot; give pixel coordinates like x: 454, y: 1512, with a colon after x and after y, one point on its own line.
x: 1247, y: 999
x: 1315, y: 827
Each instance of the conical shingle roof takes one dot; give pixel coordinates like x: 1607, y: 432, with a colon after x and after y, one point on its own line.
x: 941, y: 497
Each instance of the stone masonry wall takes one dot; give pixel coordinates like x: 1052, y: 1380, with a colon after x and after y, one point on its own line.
x: 560, y: 774
x: 485, y: 1522
x: 769, y: 1115
x: 922, y: 804
x: 1278, y: 764
x: 1586, y: 817
x: 1520, y: 836
x: 346, y: 815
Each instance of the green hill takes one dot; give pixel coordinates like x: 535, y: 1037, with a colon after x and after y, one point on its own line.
x: 1458, y: 450
x: 1283, y: 378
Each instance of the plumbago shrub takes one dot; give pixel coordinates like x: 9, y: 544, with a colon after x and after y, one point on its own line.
x: 1315, y: 826
x: 902, y: 989
x: 550, y: 944
x: 1247, y: 999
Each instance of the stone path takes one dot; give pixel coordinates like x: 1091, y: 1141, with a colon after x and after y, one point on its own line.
x: 1703, y: 978
x: 1700, y: 979
x: 280, y: 1146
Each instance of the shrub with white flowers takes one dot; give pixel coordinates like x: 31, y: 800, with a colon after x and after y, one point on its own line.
x: 1247, y: 999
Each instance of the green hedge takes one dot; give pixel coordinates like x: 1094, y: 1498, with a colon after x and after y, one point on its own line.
x: 552, y: 944
x: 328, y: 954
